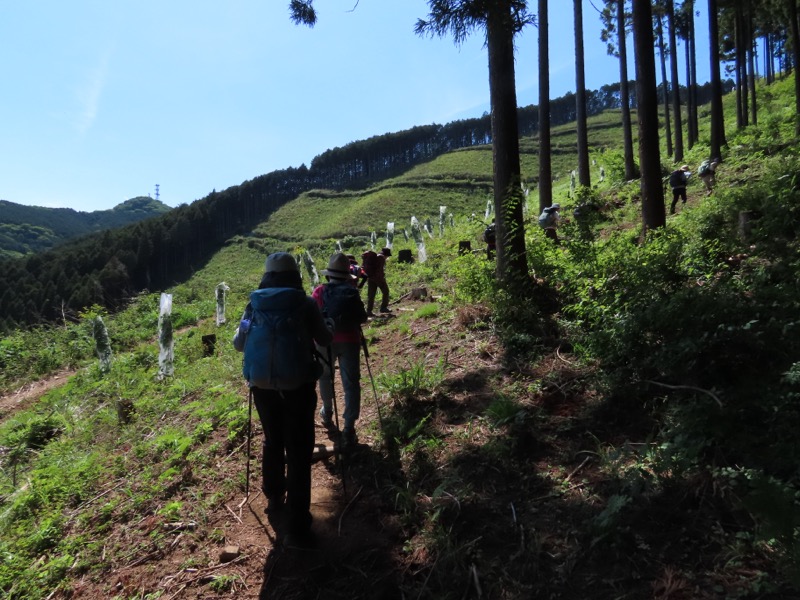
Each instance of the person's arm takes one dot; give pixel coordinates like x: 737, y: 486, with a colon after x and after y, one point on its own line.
x: 362, y: 312
x: 317, y: 295
x: 240, y: 337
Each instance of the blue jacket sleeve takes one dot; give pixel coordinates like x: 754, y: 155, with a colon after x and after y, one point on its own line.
x: 240, y: 337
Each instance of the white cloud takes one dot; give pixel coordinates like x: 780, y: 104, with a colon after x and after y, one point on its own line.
x: 89, y: 95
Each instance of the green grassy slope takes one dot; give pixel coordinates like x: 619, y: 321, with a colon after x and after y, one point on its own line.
x: 607, y: 443
x: 460, y: 180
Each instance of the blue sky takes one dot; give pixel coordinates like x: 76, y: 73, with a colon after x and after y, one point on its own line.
x: 103, y: 100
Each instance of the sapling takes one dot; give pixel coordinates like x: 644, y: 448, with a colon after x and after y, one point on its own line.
x: 221, y: 289
x: 429, y: 227
x: 489, y: 210
x: 416, y: 233
x: 389, y: 234
x: 442, y: 215
x: 102, y: 343
x: 308, y: 261
x: 166, y: 356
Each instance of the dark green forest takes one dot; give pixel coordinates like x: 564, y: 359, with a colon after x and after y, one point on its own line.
x: 30, y: 229
x: 110, y: 266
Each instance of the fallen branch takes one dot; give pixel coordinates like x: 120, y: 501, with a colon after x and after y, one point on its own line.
x: 403, y: 297
x: 578, y: 468
x: 201, y: 573
x: 100, y: 495
x: 558, y: 354
x: 346, y: 507
x: 413, y: 333
x: 144, y: 559
x: 687, y: 387
x: 235, y: 516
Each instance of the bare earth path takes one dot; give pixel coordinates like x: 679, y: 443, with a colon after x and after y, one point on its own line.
x: 27, y: 394
x: 354, y: 553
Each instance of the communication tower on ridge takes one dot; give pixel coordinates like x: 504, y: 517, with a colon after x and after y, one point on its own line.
x: 156, y: 191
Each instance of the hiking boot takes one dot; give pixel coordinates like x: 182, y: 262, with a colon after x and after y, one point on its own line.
x: 386, y: 309
x: 349, y: 440
x: 301, y: 538
x: 327, y: 421
x: 370, y: 314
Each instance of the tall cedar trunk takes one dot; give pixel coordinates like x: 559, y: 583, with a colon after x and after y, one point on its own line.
x: 624, y: 89
x: 795, y: 29
x: 717, y: 117
x: 584, y: 176
x: 690, y: 135
x: 653, y: 213
x: 665, y: 85
x: 511, y: 259
x: 741, y: 74
x: 693, y: 87
x: 545, y: 162
x: 768, y: 74
x: 751, y: 62
x: 676, y: 88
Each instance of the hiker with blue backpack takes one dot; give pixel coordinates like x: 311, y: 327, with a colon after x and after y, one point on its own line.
x: 339, y: 301
x: 277, y: 333
x: 707, y: 172
x: 549, y: 220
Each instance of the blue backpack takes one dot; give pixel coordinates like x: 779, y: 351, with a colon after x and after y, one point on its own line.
x: 342, y: 303
x: 549, y: 217
x: 279, y: 349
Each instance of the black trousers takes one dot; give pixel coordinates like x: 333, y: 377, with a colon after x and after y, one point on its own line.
x: 288, y: 420
x: 677, y: 194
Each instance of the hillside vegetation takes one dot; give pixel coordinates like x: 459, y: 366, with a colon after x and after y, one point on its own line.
x: 623, y: 428
x: 30, y: 229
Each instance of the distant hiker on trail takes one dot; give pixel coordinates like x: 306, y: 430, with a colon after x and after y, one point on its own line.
x: 374, y: 264
x: 339, y: 300
x: 277, y: 334
x: 677, y: 181
x: 356, y: 270
x: 550, y: 219
x: 490, y: 238
x: 707, y: 172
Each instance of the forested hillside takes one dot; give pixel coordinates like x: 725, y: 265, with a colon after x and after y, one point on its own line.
x: 108, y: 268
x: 30, y: 229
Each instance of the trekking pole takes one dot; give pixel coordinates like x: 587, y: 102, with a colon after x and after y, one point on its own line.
x: 338, y: 447
x: 369, y: 370
x: 249, y: 436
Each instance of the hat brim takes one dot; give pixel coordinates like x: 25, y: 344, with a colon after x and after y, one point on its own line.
x: 334, y: 274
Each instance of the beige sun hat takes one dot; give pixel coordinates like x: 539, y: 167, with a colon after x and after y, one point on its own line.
x: 339, y: 267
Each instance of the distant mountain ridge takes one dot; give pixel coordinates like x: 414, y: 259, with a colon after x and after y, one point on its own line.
x: 31, y: 229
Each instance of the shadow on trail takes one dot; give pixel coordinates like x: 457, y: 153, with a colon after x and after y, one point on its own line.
x: 353, y: 554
